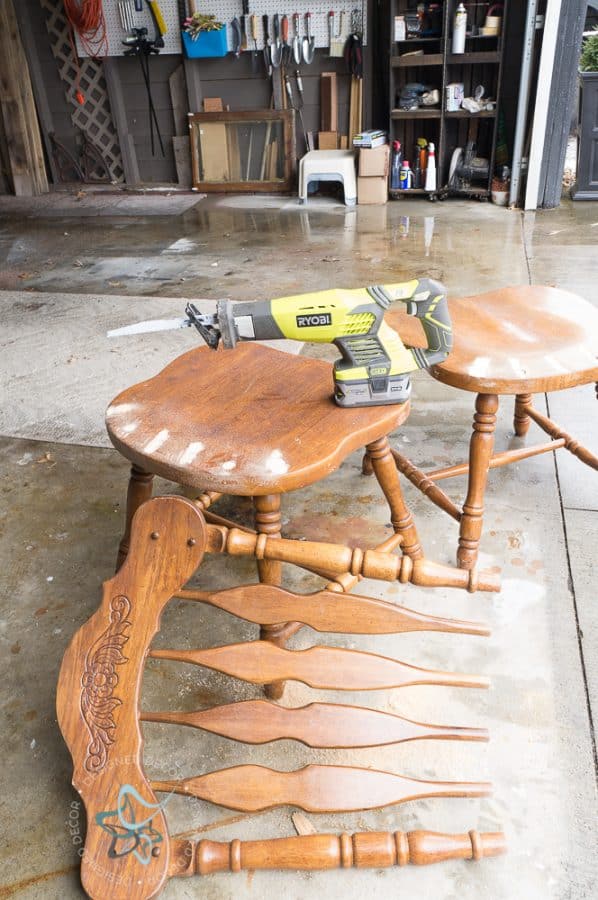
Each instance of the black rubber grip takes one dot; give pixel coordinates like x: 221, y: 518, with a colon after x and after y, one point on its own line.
x: 433, y: 312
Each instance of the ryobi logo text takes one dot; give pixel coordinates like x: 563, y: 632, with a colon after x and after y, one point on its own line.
x: 314, y: 320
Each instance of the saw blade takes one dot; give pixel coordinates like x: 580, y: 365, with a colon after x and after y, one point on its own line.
x: 150, y: 326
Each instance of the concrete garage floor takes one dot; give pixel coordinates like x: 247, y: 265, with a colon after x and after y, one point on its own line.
x: 63, y: 281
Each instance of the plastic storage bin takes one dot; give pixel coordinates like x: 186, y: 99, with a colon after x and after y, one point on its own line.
x: 209, y: 43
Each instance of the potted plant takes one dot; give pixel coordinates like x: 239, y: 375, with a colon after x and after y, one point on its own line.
x: 203, y: 36
x: 586, y: 187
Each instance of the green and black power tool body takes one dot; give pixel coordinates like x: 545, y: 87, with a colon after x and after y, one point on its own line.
x: 375, y: 364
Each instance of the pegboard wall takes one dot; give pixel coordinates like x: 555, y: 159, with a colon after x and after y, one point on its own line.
x: 226, y: 10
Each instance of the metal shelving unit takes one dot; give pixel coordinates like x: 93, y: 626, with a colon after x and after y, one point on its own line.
x: 438, y: 67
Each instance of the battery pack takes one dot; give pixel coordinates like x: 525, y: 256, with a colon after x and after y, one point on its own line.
x: 373, y: 391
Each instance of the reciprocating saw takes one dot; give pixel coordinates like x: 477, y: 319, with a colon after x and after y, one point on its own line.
x: 374, y: 366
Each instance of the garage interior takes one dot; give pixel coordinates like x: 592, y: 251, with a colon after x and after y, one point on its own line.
x: 82, y: 257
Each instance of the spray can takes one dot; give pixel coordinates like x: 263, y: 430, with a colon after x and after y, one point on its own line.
x: 406, y: 176
x: 459, y: 29
x: 430, y: 184
x: 395, y: 168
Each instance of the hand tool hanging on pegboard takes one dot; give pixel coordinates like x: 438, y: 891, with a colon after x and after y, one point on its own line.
x: 183, y: 11
x: 309, y: 41
x: 276, y: 48
x: 140, y: 46
x: 354, y: 46
x: 237, y: 36
x: 296, y: 39
x: 244, y: 25
x: 286, y: 47
x: 254, y: 51
x: 267, y: 45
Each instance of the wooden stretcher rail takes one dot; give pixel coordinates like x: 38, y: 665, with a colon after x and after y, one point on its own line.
x: 316, y: 789
x: 321, y: 725
x: 325, y: 668
x: 375, y: 849
x: 340, y: 559
x: 325, y: 611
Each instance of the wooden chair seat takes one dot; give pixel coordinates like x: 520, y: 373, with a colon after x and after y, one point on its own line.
x: 517, y: 340
x: 252, y: 421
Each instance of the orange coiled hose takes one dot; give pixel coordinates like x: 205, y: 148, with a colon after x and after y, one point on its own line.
x: 87, y: 18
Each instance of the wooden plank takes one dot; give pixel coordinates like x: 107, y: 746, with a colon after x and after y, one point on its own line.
x: 212, y: 104
x: 42, y: 102
x: 99, y: 688
x: 328, y: 102
x: 265, y: 604
x: 182, y: 159
x: 327, y: 140
x: 194, y: 90
x: 121, y: 120
x: 214, y: 151
x: 234, y: 156
x: 314, y: 788
x: 321, y: 725
x: 17, y: 105
x: 278, y: 91
x: 179, y: 100
x: 325, y: 668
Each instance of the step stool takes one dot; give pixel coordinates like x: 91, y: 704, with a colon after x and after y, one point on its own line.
x: 329, y: 165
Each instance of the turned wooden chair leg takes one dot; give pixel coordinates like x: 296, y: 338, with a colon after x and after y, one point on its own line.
x: 480, y: 452
x: 139, y: 490
x: 384, y: 468
x: 366, y: 463
x: 521, y: 421
x: 268, y: 521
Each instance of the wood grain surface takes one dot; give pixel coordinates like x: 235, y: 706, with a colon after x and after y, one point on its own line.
x: 327, y: 612
x: 517, y: 340
x: 184, y: 423
x: 338, y: 558
x: 321, y: 725
x: 373, y: 849
x: 98, y: 696
x: 315, y: 789
x: 325, y: 668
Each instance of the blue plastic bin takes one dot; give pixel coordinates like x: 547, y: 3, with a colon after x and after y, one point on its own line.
x: 209, y: 43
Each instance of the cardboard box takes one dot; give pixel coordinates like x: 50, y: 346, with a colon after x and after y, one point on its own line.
x: 372, y: 189
x: 374, y: 163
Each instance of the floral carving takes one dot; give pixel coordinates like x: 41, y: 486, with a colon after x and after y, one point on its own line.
x: 98, y: 682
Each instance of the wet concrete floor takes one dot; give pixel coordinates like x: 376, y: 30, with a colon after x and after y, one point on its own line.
x: 61, y: 519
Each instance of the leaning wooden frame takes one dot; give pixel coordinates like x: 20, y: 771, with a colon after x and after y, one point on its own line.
x: 243, y: 150
x: 128, y: 851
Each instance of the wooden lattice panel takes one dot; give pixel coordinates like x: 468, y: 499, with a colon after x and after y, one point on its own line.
x: 94, y: 117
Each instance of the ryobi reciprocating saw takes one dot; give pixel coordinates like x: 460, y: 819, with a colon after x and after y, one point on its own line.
x: 375, y: 364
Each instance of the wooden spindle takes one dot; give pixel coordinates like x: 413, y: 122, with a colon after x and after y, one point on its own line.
x: 330, y: 851
x: 385, y: 470
x: 480, y: 453
x: 321, y: 725
x: 318, y: 789
x: 557, y: 433
x: 338, y: 558
x: 139, y: 490
x: 521, y: 420
x: 323, y: 668
x: 324, y: 611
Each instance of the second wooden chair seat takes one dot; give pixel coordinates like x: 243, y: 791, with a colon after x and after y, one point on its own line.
x: 516, y: 341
